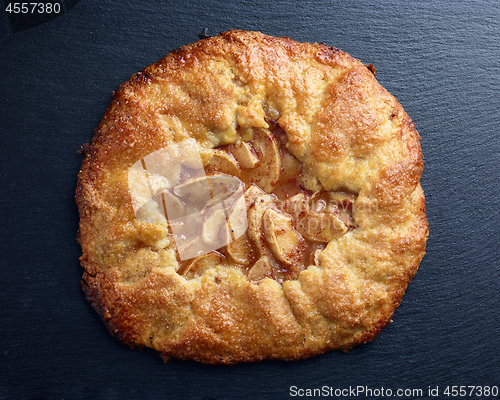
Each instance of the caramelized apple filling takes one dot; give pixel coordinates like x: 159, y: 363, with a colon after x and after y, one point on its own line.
x: 287, y: 225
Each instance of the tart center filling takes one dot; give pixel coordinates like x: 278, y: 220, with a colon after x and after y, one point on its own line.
x: 248, y: 208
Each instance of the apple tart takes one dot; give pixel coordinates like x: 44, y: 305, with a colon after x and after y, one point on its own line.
x: 249, y: 197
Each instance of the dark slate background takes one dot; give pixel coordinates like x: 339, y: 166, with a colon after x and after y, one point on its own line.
x: 440, y: 59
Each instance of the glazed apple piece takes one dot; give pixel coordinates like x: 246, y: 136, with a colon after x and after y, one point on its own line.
x: 317, y: 202
x: 320, y: 226
x: 236, y: 210
x: 224, y: 162
x: 241, y: 250
x: 202, y: 263
x: 290, y: 166
x: 316, y: 254
x: 225, y: 221
x: 224, y: 186
x: 296, y: 205
x: 286, y: 244
x: 252, y: 193
x: 199, y: 191
x: 255, y: 212
x: 215, y: 231
x: 194, y: 190
x: 244, y: 154
x: 260, y: 270
x: 266, y: 173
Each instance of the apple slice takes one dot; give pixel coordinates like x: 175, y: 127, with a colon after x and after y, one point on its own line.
x: 194, y: 191
x: 266, y: 172
x: 255, y: 212
x: 296, y: 205
x: 241, y: 250
x: 316, y: 255
x: 199, y: 191
x: 215, y: 231
x: 253, y: 193
x: 319, y: 203
x: 237, y: 210
x: 225, y: 187
x: 223, y: 162
x: 202, y: 263
x: 286, y: 244
x: 320, y: 226
x: 260, y: 270
x: 244, y: 154
x: 291, y: 167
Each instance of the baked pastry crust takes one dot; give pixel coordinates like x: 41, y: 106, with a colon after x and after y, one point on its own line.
x: 349, y: 134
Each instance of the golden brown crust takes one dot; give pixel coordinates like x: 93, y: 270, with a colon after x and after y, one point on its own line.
x: 348, y: 132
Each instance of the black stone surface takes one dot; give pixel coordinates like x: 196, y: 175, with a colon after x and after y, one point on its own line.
x: 440, y: 59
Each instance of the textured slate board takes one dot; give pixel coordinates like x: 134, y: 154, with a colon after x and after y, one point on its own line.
x: 440, y: 59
